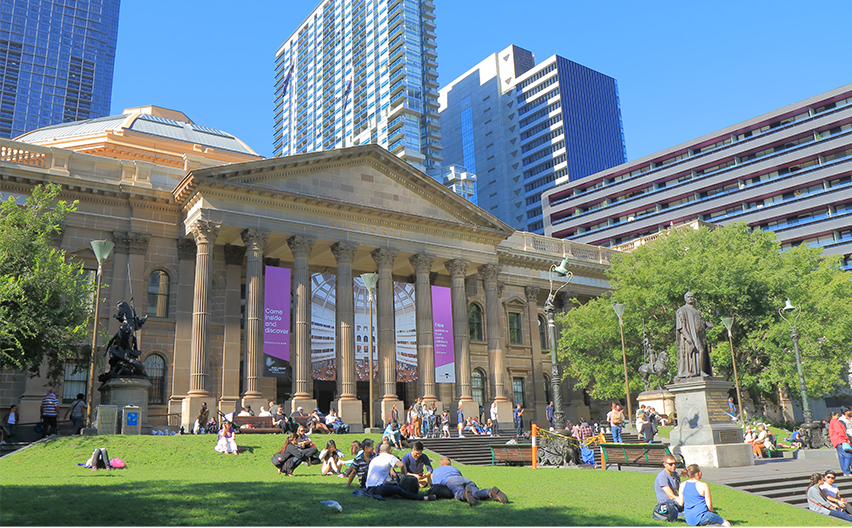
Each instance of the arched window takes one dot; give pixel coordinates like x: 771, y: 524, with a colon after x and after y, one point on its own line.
x: 158, y: 294
x: 474, y: 321
x: 155, y: 367
x: 542, y: 334
x: 477, y: 386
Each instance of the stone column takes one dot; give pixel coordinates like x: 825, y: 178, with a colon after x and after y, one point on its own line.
x: 234, y: 256
x: 461, y: 336
x: 205, y: 233
x: 348, y: 406
x: 186, y: 251
x: 496, y: 355
x: 422, y: 265
x: 254, y: 240
x: 538, y: 393
x: 384, y: 259
x: 301, y: 247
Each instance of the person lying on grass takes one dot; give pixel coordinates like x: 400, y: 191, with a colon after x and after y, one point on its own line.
x: 463, y: 489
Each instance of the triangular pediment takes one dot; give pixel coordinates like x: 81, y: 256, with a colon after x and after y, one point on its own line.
x: 366, y: 178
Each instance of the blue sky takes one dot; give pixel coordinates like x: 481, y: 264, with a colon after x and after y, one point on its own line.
x: 684, y: 69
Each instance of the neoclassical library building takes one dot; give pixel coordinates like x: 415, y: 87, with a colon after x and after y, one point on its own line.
x: 250, y: 272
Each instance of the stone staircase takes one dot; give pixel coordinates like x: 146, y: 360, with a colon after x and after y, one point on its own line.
x: 474, y: 450
x: 789, y: 489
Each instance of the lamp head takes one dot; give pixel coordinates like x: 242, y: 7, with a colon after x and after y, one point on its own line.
x: 619, y: 309
x: 562, y: 268
x: 102, y: 249
x: 788, y: 307
x: 728, y: 322
x: 370, y: 281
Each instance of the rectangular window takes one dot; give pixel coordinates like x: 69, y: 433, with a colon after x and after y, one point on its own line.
x: 76, y: 376
x: 515, y: 335
x: 518, y: 392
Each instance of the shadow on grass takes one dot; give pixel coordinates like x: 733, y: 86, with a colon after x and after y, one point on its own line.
x: 105, y: 500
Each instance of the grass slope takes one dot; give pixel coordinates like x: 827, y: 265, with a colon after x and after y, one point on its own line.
x: 180, y: 480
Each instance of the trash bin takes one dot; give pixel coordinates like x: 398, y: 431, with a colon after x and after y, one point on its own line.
x: 131, y: 420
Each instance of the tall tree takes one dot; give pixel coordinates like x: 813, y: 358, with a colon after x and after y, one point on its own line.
x: 45, y: 302
x: 733, y: 271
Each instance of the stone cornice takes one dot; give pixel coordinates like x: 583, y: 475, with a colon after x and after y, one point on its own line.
x: 133, y: 243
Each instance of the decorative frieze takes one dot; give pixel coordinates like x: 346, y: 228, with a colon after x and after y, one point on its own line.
x: 186, y: 249
x: 133, y: 243
x: 234, y: 255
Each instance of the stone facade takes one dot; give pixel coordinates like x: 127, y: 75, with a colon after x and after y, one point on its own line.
x: 211, y: 229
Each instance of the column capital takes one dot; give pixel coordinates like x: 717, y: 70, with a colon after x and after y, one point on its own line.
x: 205, y: 231
x: 532, y: 293
x: 128, y: 242
x: 500, y: 287
x: 489, y: 272
x: 421, y: 262
x: 301, y: 245
x: 457, y: 267
x: 384, y: 257
x: 186, y: 249
x: 344, y: 252
x: 254, y: 239
x: 234, y: 255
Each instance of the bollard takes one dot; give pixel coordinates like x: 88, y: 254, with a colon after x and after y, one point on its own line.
x: 534, y: 435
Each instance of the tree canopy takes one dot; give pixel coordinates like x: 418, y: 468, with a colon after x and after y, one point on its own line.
x: 45, y: 301
x: 733, y: 272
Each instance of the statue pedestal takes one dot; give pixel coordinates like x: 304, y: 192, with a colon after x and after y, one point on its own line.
x: 705, y: 434
x: 128, y: 391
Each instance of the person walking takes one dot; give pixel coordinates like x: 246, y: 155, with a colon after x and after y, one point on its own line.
x: 548, y: 412
x: 77, y: 412
x: 615, y: 419
x: 494, y: 416
x: 837, y: 435
x: 518, y: 416
x: 49, y: 412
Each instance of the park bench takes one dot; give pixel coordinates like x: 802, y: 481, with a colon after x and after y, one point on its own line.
x: 255, y: 424
x: 645, y: 455
x: 511, y: 454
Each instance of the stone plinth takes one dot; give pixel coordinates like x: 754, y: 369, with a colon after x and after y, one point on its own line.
x: 705, y: 434
x: 190, y: 407
x: 350, y: 411
x: 386, y: 407
x: 663, y: 402
x: 128, y: 391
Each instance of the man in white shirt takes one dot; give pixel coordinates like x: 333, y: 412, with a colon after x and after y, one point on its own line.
x: 496, y: 430
x: 378, y: 477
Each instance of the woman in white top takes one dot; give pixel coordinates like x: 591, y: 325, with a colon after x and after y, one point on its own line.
x: 331, y: 458
x: 832, y: 494
x: 818, y: 503
x: 226, y: 442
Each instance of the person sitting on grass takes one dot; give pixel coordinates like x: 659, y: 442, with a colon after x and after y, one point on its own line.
x: 463, y: 489
x: 694, y: 497
x: 819, y: 504
x: 331, y: 459
x: 393, y: 435
x: 379, y: 477
x: 414, y: 462
x: 298, y: 449
x: 226, y: 442
x: 666, y: 487
x: 832, y: 494
x: 361, y: 463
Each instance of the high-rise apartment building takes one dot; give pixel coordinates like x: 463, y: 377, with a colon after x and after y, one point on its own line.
x: 357, y: 72
x: 788, y: 171
x: 522, y: 128
x: 56, y: 62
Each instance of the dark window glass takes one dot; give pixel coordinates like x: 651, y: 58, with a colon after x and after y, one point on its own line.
x: 474, y: 321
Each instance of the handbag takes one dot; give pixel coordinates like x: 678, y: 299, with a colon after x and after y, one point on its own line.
x: 39, y: 427
x: 846, y: 447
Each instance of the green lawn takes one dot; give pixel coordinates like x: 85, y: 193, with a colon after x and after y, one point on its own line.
x: 180, y: 480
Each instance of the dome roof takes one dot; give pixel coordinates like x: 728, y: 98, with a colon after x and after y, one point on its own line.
x: 149, y: 120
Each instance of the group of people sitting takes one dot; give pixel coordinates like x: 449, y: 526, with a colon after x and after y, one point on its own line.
x: 689, y: 500
x: 761, y: 442
x: 824, y: 497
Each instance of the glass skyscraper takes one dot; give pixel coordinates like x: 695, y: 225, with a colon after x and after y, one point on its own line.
x: 523, y: 128
x: 56, y: 62
x: 356, y: 72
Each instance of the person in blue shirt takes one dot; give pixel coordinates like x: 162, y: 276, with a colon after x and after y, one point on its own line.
x: 694, y: 496
x: 519, y: 420
x: 392, y: 434
x: 667, y: 486
x: 414, y: 462
x: 463, y: 489
x: 548, y: 411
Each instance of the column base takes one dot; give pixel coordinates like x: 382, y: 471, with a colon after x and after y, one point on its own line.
x: 189, y: 410
x: 506, y: 417
x: 351, y: 412
x: 386, y: 407
x: 256, y: 402
x: 717, y: 456
x: 307, y: 403
x: 228, y: 404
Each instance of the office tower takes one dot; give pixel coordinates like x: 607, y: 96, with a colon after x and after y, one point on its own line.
x: 787, y: 171
x: 56, y: 62
x: 522, y: 127
x: 357, y: 72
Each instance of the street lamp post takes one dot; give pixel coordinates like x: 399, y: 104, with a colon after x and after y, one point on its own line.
x: 619, y: 310
x: 370, y: 281
x: 729, y: 323
x: 102, y: 249
x: 550, y: 312
x: 794, y: 335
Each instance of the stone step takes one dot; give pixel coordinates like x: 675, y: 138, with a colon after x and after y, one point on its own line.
x: 789, y: 489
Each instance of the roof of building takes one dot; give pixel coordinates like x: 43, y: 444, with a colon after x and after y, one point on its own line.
x: 150, y: 120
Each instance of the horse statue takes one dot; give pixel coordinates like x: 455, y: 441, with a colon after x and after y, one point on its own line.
x: 656, y: 364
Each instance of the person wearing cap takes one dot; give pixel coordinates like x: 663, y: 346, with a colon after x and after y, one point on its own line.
x: 300, y: 411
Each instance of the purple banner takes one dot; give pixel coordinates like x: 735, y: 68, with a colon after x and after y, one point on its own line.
x: 276, y: 317
x: 442, y: 321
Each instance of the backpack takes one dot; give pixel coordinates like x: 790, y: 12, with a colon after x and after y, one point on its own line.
x: 116, y: 463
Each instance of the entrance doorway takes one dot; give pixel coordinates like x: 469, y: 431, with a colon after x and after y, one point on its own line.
x: 324, y: 394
